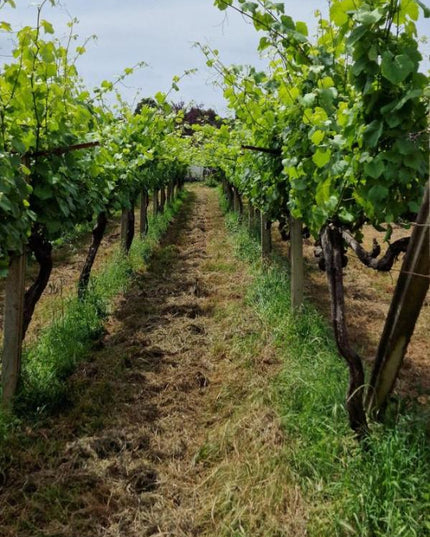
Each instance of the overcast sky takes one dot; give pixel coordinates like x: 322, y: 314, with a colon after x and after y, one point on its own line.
x: 161, y: 33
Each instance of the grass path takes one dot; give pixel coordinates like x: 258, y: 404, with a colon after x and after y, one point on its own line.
x: 172, y: 432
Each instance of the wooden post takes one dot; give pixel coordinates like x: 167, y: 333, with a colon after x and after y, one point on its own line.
x: 251, y: 217
x: 266, y: 236
x: 228, y: 189
x: 155, y: 202
x: 297, y: 266
x: 236, y: 200
x: 124, y: 229
x: 162, y: 199
x: 13, y: 327
x: 411, y: 289
x: 169, y: 193
x: 257, y: 223
x: 143, y: 223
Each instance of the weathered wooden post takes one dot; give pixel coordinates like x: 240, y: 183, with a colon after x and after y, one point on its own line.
x: 409, y: 295
x: 297, y: 266
x: 169, y: 193
x: 13, y: 327
x: 143, y: 223
x: 266, y: 236
x: 257, y: 222
x: 228, y: 190
x: 155, y: 202
x: 124, y: 229
x: 236, y: 201
x: 251, y: 217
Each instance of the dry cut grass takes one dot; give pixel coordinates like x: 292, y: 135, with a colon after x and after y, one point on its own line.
x: 172, y: 431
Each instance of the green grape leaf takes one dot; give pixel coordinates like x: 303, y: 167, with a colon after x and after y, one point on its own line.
x: 369, y: 17
x: 321, y: 157
x: 302, y: 28
x: 339, y: 11
x: 357, y: 34
x: 373, y: 133
x: 43, y: 192
x: 47, y: 26
x: 317, y: 137
x: 378, y: 193
x: 374, y: 168
x: 396, y: 69
x: 346, y: 216
x: 322, y: 195
x: 223, y: 4
x: 5, y: 203
x: 5, y: 26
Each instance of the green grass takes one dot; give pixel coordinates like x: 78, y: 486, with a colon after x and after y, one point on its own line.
x: 68, y: 340
x: 379, y: 492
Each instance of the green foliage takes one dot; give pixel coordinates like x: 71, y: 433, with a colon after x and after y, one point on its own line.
x: 346, y: 115
x: 44, y: 112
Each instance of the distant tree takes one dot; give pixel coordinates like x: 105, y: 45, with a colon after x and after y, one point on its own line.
x: 146, y: 101
x: 197, y: 115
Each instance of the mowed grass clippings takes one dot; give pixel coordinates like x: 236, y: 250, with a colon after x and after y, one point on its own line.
x: 246, y: 489
x: 207, y: 410
x: 170, y: 431
x: 381, y: 491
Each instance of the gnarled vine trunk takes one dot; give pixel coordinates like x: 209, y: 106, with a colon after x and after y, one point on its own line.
x: 42, y: 250
x: 162, y: 199
x: 143, y: 224
x: 332, y: 246
x: 130, y: 229
x: 98, y: 234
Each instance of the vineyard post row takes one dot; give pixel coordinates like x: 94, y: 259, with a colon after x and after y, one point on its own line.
x: 13, y: 327
x: 235, y: 203
x: 15, y: 287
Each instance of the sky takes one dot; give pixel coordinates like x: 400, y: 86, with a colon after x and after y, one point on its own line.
x: 161, y: 33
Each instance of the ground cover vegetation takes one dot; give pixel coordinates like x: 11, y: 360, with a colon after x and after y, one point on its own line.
x: 68, y: 160
x: 382, y: 490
